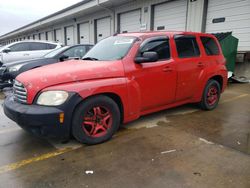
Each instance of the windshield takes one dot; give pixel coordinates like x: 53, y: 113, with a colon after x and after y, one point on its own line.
x: 110, y: 49
x: 55, y: 52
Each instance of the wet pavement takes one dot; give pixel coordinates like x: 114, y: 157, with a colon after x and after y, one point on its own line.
x: 180, y: 147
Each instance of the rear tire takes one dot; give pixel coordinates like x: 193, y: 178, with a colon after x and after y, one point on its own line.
x: 211, y: 95
x: 96, y: 120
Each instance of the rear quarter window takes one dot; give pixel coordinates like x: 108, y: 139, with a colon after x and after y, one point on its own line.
x: 187, y: 46
x: 210, y: 46
x: 51, y: 46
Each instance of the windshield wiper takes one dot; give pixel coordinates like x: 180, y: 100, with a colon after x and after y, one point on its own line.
x: 90, y: 58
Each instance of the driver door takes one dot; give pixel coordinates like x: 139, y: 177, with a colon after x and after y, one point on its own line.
x: 157, y: 80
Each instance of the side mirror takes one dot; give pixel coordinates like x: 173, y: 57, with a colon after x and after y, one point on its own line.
x: 147, y: 57
x: 6, y: 50
x: 63, y: 57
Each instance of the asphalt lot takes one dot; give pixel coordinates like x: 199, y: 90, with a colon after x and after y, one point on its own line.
x: 181, y: 147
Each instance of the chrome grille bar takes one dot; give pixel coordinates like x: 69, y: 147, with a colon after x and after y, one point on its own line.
x: 20, y: 93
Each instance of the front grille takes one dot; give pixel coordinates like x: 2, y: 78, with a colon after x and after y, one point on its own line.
x: 20, y: 93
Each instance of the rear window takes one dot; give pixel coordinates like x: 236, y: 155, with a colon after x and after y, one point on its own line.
x: 210, y: 46
x: 187, y: 46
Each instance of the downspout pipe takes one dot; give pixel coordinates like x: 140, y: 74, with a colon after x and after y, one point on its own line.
x: 109, y: 10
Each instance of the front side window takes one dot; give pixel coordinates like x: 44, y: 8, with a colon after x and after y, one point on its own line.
x: 186, y: 46
x: 210, y: 46
x: 20, y: 47
x: 55, y: 52
x: 160, y: 46
x: 78, y: 51
x: 110, y: 49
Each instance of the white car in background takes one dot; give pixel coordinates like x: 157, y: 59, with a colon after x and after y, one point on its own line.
x: 25, y: 50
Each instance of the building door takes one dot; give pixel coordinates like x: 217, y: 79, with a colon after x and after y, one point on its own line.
x: 170, y: 16
x: 130, y: 21
x: 83, y: 32
x: 103, y: 28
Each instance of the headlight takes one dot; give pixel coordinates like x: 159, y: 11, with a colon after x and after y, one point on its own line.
x: 52, y: 98
x: 15, y: 68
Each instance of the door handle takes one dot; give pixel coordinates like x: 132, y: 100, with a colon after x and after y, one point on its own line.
x: 26, y: 54
x: 167, y: 69
x: 201, y: 65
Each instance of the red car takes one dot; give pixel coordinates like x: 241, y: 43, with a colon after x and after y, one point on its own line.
x: 120, y: 79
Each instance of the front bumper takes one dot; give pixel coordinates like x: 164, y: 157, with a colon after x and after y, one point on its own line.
x: 41, y: 120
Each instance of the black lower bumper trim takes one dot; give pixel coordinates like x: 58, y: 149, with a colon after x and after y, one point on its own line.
x: 41, y: 120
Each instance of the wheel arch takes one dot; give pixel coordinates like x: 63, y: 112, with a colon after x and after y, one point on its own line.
x: 115, y: 97
x: 219, y: 79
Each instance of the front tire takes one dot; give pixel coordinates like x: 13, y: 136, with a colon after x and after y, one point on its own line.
x: 96, y: 120
x: 211, y: 95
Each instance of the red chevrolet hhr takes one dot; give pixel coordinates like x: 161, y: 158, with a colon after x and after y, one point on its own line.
x: 122, y: 78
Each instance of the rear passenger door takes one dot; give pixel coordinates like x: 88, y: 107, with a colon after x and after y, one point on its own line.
x: 39, y: 49
x: 189, y: 66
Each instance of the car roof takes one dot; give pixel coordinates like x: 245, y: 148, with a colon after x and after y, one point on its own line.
x: 36, y: 41
x: 157, y: 33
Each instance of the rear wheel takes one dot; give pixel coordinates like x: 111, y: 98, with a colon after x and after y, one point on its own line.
x: 211, y: 95
x: 96, y: 120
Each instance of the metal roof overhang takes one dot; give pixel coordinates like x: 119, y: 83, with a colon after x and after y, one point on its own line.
x: 82, y: 8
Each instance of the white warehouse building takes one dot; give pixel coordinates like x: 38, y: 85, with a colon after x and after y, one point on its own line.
x: 92, y: 20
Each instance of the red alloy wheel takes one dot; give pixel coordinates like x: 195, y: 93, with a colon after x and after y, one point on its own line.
x: 97, y: 122
x: 212, y: 95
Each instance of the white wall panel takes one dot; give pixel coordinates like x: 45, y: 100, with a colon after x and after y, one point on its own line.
x: 170, y: 16
x: 58, y: 36
x: 50, y: 36
x: 237, y: 19
x: 103, y: 28
x: 130, y: 21
x: 42, y: 36
x: 69, y: 32
x: 84, y: 33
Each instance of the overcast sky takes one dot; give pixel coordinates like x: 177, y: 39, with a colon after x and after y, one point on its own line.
x: 17, y: 13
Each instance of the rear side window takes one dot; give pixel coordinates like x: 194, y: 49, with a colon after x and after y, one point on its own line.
x: 186, y: 46
x: 210, y: 46
x: 38, y: 46
x: 160, y: 46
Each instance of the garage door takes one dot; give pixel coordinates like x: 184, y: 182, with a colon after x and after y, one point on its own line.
x: 103, y: 28
x: 84, y: 37
x: 58, y: 36
x: 69, y: 33
x: 230, y: 15
x: 130, y: 21
x: 42, y: 36
x: 170, y: 16
x: 50, y: 36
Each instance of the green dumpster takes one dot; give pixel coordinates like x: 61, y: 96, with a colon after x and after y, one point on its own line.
x: 229, y: 45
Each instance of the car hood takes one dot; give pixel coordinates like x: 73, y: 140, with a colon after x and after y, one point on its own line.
x: 24, y: 62
x: 69, y: 71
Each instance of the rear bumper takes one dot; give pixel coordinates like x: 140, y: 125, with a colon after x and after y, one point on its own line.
x: 41, y: 120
